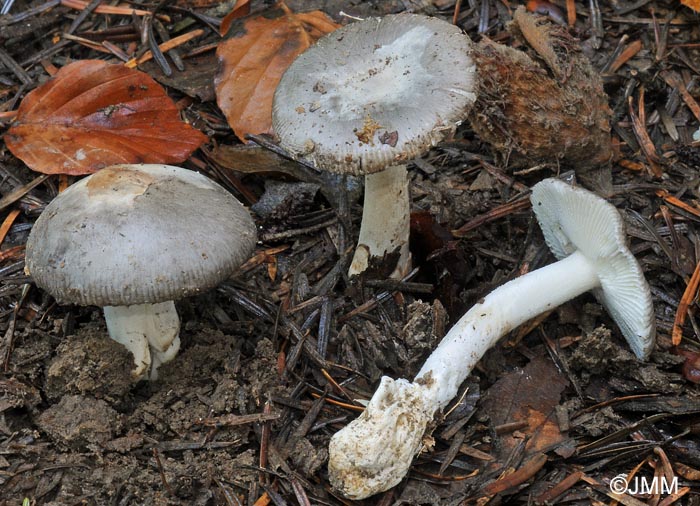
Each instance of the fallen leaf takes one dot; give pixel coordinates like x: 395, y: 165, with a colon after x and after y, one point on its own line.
x: 693, y: 4
x: 240, y: 9
x: 197, y: 80
x: 529, y: 395
x: 252, y: 159
x: 94, y: 114
x: 253, y: 60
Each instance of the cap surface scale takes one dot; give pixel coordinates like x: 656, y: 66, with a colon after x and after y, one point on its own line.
x: 138, y: 234
x: 573, y: 219
x: 374, y: 93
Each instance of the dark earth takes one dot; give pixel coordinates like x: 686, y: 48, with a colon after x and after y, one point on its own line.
x: 274, y: 360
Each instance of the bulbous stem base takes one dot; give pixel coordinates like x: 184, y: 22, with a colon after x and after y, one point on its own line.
x: 149, y: 331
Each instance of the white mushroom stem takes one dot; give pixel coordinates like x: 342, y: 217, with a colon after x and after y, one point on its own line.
x: 149, y: 331
x: 386, y: 222
x: 507, y: 307
x: 374, y: 452
x: 161, y: 357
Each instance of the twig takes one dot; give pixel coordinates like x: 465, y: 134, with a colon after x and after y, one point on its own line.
x: 676, y: 202
x: 28, y: 13
x: 229, y: 496
x: 155, y: 49
x: 455, y: 15
x: 299, y: 492
x: 234, y: 420
x: 400, y: 286
x: 7, y: 224
x: 640, y: 132
x: 686, y: 300
x: 615, y: 54
x: 165, y: 47
x: 596, y: 24
x: 89, y: 8
x: 20, y: 192
x: 165, y: 36
x: 335, y: 402
x: 675, y: 82
x: 336, y: 386
x: 91, y: 44
x: 156, y: 456
x: 108, y: 9
x: 627, y: 53
x: 517, y: 477
x: 502, y: 177
x: 265, y: 441
x: 286, y: 234
x: 7, y: 115
x: 264, y: 142
x: 10, y: 334
x: 493, y: 214
x: 571, y: 12
x: 16, y: 69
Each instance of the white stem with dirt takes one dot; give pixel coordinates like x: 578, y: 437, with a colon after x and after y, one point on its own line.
x: 374, y: 452
x: 386, y: 222
x: 149, y: 331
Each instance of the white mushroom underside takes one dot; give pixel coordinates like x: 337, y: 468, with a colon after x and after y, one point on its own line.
x: 386, y: 223
x: 571, y: 219
x: 149, y: 331
x: 363, y: 458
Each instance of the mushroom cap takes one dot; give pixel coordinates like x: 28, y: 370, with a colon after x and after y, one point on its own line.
x: 573, y: 219
x: 375, y: 93
x: 138, y: 234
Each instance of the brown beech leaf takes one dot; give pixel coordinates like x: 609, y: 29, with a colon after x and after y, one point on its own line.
x: 242, y: 8
x: 693, y: 4
x: 530, y: 396
x: 94, y: 114
x: 253, y: 60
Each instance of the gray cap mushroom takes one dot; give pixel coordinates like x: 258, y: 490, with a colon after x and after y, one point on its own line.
x: 366, y: 99
x: 133, y: 239
x: 374, y: 452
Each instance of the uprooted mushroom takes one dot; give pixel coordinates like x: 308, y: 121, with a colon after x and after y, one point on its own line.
x: 586, y: 233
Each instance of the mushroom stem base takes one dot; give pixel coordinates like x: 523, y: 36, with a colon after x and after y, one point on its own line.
x: 149, y: 331
x: 374, y: 452
x: 386, y: 222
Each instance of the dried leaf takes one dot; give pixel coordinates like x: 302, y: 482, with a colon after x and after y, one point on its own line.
x: 253, y: 60
x: 530, y: 396
x: 272, y: 269
x: 542, y: 38
x: 252, y: 160
x: 693, y: 4
x: 197, y: 80
x: 242, y: 8
x: 94, y: 114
